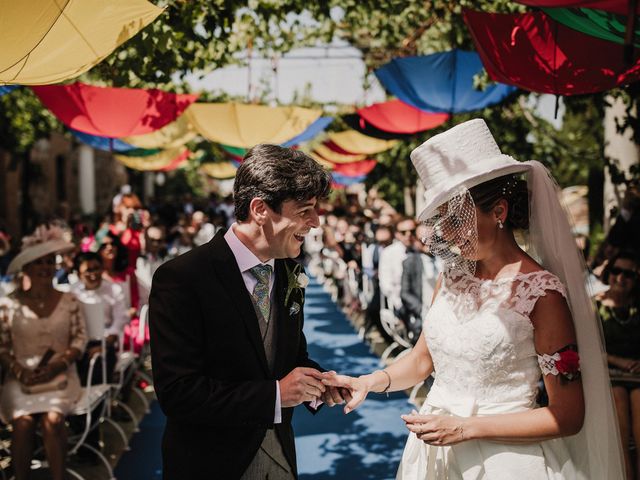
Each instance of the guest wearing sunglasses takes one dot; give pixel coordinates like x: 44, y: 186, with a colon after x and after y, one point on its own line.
x: 619, y: 309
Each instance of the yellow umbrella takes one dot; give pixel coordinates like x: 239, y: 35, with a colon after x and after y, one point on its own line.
x: 244, y: 126
x: 46, y: 41
x: 325, y: 163
x: 164, y: 160
x: 174, y: 135
x: 356, y: 142
x: 335, y: 157
x: 220, y: 171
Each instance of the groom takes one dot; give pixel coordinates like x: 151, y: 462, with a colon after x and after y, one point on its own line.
x: 229, y: 356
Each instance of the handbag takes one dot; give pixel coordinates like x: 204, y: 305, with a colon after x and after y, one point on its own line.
x: 59, y: 382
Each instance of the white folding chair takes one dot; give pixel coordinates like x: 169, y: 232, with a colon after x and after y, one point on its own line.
x: 93, y: 395
x: 129, y: 364
x: 393, y: 326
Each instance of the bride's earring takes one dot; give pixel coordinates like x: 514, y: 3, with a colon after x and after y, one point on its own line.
x: 500, y: 224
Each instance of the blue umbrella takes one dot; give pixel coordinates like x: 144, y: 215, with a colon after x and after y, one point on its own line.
x: 4, y: 89
x: 345, y: 180
x: 311, y: 131
x: 441, y: 82
x: 103, y: 143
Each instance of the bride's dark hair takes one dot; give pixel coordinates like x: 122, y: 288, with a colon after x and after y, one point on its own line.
x: 513, y: 190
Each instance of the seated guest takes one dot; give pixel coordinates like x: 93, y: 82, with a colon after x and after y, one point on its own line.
x: 42, y: 334
x: 619, y: 309
x: 419, y: 277
x: 155, y: 255
x: 89, y: 268
x: 391, y: 258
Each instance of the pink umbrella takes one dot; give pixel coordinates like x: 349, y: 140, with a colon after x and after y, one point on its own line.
x: 398, y: 117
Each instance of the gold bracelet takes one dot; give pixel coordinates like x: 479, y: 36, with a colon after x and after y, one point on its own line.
x: 386, y: 389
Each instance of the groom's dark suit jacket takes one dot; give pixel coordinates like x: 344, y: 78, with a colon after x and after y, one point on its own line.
x: 209, y: 366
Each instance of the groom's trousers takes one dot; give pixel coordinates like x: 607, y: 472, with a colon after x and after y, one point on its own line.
x: 269, y: 462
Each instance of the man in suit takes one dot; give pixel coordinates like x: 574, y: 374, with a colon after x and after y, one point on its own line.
x: 229, y: 356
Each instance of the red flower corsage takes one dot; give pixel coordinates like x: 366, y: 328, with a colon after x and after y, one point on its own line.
x: 565, y: 362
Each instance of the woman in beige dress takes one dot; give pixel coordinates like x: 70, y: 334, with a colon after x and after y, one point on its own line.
x: 39, y: 387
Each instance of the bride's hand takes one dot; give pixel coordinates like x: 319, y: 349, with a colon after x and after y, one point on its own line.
x: 438, y: 430
x: 356, y: 386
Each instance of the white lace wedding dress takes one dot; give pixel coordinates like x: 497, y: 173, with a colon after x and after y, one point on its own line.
x: 481, y: 340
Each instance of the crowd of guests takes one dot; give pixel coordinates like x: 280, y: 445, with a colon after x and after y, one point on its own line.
x: 372, y: 258
x: 48, y: 283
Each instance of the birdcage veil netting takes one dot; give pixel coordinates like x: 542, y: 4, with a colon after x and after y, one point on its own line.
x: 452, y: 233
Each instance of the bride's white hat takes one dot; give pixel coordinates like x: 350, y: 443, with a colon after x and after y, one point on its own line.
x: 466, y: 155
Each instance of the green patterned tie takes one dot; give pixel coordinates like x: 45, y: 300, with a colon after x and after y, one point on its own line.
x: 261, y: 290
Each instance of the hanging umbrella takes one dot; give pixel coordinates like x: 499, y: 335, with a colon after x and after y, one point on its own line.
x: 45, y: 42
x: 322, y: 161
x: 327, y: 153
x: 597, y: 23
x: 355, y: 142
x: 244, y: 126
x: 235, y: 151
x: 175, y: 134
x: 310, y: 133
x: 538, y: 54
x: 220, y: 170
x: 103, y: 143
x: 621, y: 7
x: 355, y: 169
x: 440, y: 82
x: 398, y: 117
x: 344, y: 181
x: 112, y: 112
x: 4, y: 89
x: 359, y: 124
x: 163, y: 161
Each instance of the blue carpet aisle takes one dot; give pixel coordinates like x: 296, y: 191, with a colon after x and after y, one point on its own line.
x: 364, y: 445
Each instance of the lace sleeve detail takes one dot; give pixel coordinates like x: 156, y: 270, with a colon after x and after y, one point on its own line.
x: 534, y: 286
x: 77, y: 326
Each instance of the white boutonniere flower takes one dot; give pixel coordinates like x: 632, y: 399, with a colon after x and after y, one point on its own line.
x: 296, y: 280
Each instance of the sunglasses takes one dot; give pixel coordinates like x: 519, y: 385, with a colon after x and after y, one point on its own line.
x: 630, y: 274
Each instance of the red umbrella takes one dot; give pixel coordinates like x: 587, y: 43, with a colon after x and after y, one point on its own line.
x: 177, y: 162
x: 112, y: 112
x: 621, y: 7
x: 538, y: 54
x: 398, y: 117
x: 355, y: 169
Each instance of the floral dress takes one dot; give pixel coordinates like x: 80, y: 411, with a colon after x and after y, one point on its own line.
x: 27, y: 337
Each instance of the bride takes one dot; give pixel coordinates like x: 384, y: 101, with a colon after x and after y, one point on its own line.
x: 498, y: 323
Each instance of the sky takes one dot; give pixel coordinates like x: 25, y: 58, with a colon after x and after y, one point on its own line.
x: 333, y: 73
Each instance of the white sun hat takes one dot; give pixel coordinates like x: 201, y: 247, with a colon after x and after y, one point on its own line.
x: 463, y: 156
x: 44, y: 241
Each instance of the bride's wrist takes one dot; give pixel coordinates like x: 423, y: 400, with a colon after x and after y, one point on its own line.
x: 369, y: 381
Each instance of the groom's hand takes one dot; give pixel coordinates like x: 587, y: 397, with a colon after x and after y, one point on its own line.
x: 336, y: 396
x: 302, y: 384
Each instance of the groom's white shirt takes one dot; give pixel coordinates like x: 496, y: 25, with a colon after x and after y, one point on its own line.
x: 246, y: 260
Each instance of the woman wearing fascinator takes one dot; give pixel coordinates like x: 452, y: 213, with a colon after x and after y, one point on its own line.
x: 42, y: 334
x: 501, y: 319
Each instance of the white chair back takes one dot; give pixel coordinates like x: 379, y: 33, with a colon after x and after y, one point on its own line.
x: 94, y: 316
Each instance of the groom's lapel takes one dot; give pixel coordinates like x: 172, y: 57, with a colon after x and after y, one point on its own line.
x: 230, y: 278
x: 285, y: 324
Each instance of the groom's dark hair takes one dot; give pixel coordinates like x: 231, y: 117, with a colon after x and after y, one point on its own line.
x: 276, y: 174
